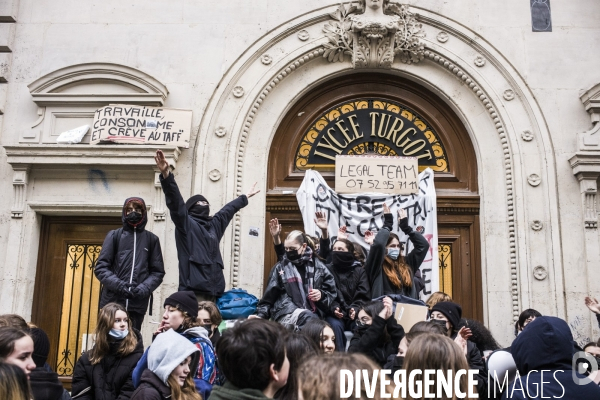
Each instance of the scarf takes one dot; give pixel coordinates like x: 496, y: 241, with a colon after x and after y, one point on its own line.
x: 298, y: 286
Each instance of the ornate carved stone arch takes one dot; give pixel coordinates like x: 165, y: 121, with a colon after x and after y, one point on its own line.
x: 487, y: 94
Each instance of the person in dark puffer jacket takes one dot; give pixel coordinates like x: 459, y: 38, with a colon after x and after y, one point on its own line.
x: 44, y: 383
x: 377, y: 334
x: 197, y: 235
x: 353, y: 290
x: 171, y: 358
x: 104, y: 372
x: 130, y: 265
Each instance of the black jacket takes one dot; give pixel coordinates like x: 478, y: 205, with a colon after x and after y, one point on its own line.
x: 115, y: 265
x: 151, y: 388
x: 46, y: 386
x: 277, y: 302
x: 380, y: 284
x: 476, y: 362
x: 353, y: 289
x: 197, y: 241
x: 372, y: 342
x: 110, y: 379
x: 543, y: 353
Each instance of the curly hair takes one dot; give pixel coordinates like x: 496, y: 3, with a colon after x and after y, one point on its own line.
x: 482, y: 337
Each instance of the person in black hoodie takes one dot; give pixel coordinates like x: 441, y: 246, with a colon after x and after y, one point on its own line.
x: 448, y: 314
x: 544, y: 354
x: 377, y: 333
x: 43, y: 381
x: 104, y: 372
x: 130, y: 265
x: 388, y: 271
x: 353, y: 290
x: 197, y: 235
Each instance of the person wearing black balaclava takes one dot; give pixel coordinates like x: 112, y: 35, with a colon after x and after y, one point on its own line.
x: 353, y: 290
x: 130, y: 265
x: 197, y: 235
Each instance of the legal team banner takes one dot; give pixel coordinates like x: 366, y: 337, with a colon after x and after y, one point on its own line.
x: 362, y: 212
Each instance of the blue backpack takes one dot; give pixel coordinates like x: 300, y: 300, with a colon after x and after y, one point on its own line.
x: 237, y: 303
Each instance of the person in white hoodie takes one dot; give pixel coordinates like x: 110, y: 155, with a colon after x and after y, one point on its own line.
x: 170, y: 360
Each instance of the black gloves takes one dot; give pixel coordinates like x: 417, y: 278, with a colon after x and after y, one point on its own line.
x: 388, y: 221
x: 141, y: 291
x: 404, y: 227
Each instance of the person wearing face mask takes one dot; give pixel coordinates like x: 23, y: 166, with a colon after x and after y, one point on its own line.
x: 197, y: 235
x: 171, y: 360
x: 181, y: 315
x: 377, y: 333
x: 130, y: 265
x: 300, y: 286
x: 353, y: 290
x: 389, y: 272
x: 104, y: 372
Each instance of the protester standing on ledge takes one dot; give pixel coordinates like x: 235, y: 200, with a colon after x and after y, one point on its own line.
x: 197, y: 235
x: 130, y: 265
x: 389, y: 272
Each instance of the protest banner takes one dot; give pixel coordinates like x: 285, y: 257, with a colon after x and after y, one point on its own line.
x: 376, y: 174
x: 362, y: 212
x: 122, y: 123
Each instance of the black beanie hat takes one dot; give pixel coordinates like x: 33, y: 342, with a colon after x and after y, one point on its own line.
x: 185, y: 301
x: 41, y: 346
x: 193, y: 200
x: 451, y: 310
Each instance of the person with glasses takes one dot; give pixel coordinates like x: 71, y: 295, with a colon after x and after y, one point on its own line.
x: 300, y: 286
x: 377, y: 332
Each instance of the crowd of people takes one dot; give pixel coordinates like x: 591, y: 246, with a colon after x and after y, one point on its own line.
x: 328, y: 306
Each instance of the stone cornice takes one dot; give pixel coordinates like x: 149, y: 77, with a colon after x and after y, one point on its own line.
x: 109, y: 155
x: 586, y: 164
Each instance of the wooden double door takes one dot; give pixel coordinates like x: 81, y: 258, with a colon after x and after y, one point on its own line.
x: 67, y: 293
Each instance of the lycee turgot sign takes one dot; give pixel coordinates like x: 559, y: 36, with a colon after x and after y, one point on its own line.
x: 370, y: 126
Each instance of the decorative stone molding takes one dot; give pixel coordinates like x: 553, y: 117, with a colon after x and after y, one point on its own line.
x: 266, y: 59
x: 214, y: 175
x: 49, y: 90
x: 159, y: 198
x: 540, y: 273
x: 68, y: 97
x: 537, y: 225
x: 442, y: 37
x: 238, y: 91
x: 373, y: 38
x: 509, y: 94
x: 479, y: 61
x: 303, y: 35
x: 527, y: 136
x: 72, y: 209
x: 105, y: 155
x: 534, y: 180
x: 20, y: 178
x: 221, y: 131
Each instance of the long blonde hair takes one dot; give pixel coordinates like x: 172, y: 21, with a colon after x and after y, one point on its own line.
x: 185, y: 392
x: 106, y: 320
x: 436, y: 352
x: 318, y: 377
x: 13, y: 383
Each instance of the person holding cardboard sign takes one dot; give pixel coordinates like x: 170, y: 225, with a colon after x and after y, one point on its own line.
x: 389, y: 272
x: 197, y: 235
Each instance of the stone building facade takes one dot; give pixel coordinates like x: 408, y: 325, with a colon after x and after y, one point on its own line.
x: 518, y: 112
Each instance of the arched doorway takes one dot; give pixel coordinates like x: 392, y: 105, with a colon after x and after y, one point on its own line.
x: 455, y: 179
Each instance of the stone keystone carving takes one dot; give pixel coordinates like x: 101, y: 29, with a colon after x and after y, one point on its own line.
x: 373, y: 37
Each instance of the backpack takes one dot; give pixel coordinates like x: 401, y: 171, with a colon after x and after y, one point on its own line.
x: 237, y: 303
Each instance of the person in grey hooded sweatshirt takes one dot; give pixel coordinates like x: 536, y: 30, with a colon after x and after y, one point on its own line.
x: 171, y: 358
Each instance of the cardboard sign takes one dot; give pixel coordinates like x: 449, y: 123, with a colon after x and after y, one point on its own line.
x: 121, y: 123
x: 376, y: 174
x: 409, y: 314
